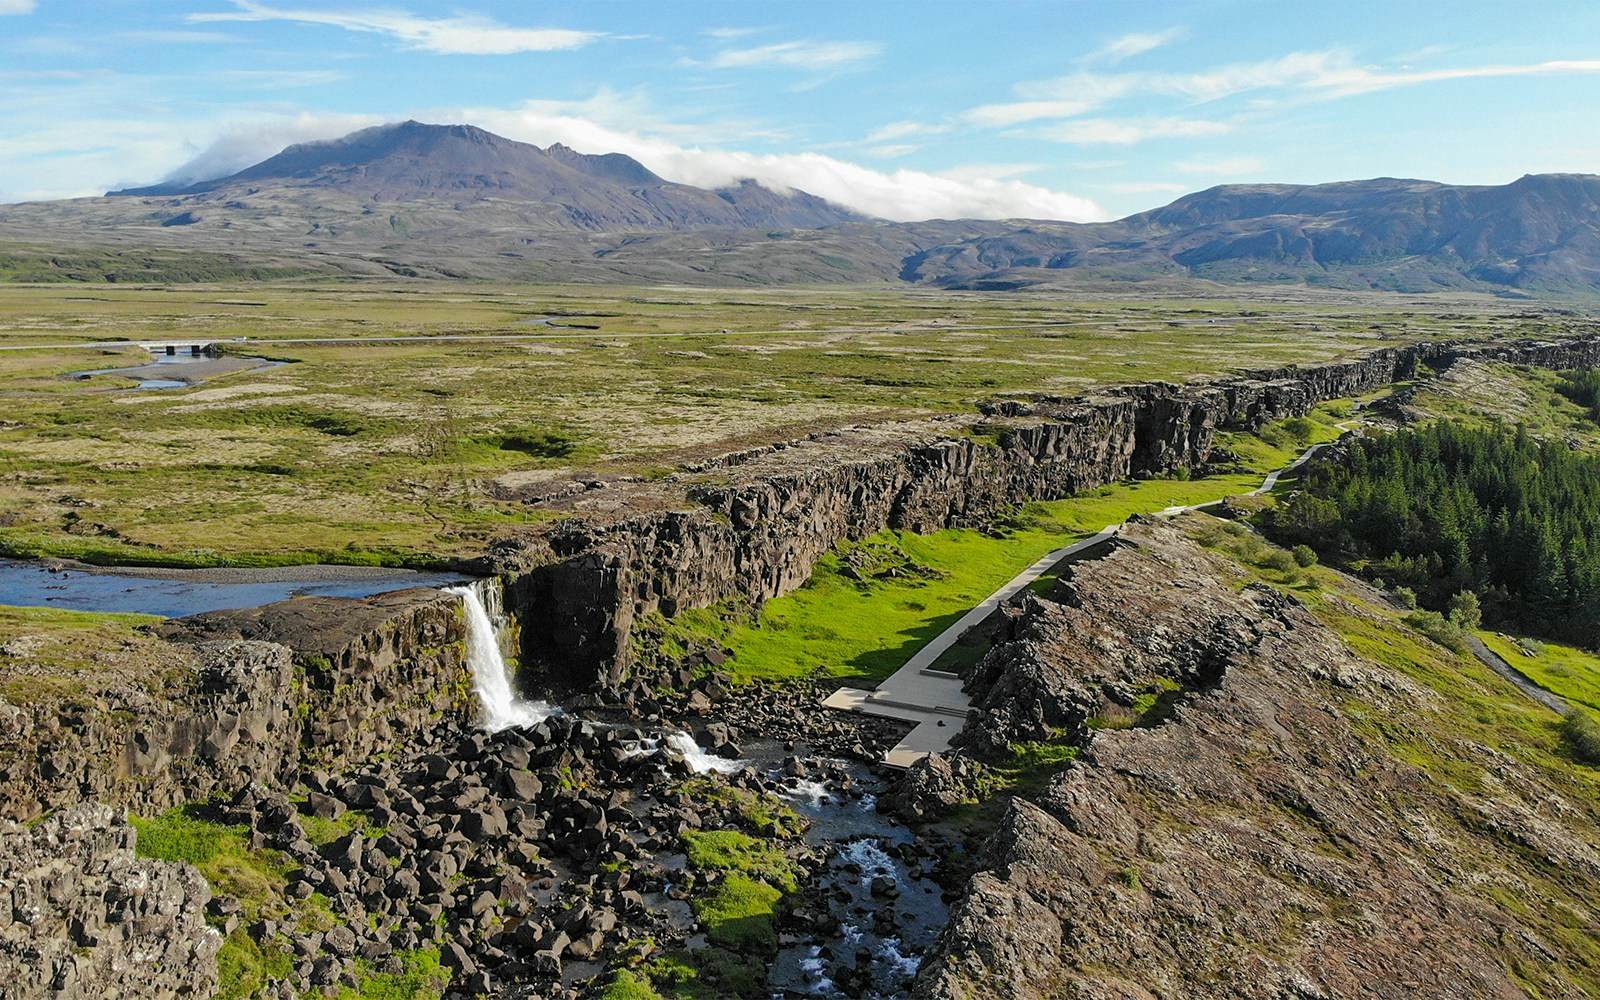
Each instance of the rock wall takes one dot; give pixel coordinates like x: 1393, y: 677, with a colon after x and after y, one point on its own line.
x: 754, y: 525
x: 80, y: 916
x: 307, y: 682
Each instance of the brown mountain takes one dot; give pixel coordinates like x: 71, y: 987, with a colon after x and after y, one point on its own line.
x: 412, y: 162
x: 456, y: 201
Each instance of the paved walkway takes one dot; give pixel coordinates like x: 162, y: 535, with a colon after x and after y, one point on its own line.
x: 933, y: 699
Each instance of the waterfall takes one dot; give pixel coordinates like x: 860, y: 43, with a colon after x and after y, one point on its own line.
x: 502, y: 709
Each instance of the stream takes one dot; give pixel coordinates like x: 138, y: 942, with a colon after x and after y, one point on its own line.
x: 879, y: 907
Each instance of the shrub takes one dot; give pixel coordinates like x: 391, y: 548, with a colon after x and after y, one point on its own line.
x: 1438, y: 628
x: 1304, y: 555
x: 1407, y: 596
x: 1278, y: 560
x: 1582, y: 732
x: 1464, y: 611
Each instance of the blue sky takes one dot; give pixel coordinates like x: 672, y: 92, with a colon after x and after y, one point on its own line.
x: 1082, y: 110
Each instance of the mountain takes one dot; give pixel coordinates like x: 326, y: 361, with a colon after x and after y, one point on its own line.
x: 561, y: 188
x: 1540, y: 232
x: 437, y: 201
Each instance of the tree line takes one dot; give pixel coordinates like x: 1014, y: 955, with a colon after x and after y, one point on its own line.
x: 1449, y: 508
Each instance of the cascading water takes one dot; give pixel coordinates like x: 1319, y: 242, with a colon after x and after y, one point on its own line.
x: 501, y: 708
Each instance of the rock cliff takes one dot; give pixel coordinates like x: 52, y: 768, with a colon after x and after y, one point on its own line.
x: 311, y: 681
x: 1281, y: 818
x: 753, y: 525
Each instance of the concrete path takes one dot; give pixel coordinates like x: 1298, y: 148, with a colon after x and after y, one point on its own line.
x: 933, y: 699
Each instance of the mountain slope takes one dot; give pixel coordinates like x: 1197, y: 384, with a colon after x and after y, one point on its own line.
x: 455, y: 201
x: 412, y: 162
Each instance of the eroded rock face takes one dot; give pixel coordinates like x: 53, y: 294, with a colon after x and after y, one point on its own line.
x: 81, y: 916
x: 267, y: 690
x: 1248, y: 841
x: 752, y: 525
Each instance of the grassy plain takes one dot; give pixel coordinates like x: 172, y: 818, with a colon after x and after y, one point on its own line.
x: 393, y: 449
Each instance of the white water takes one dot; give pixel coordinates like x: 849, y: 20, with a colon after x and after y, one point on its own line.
x: 501, y: 708
x: 684, y: 745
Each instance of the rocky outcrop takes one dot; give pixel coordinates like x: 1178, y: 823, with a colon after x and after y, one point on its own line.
x: 753, y: 526
x: 311, y: 681
x: 81, y: 916
x: 370, y: 670
x: 1260, y: 827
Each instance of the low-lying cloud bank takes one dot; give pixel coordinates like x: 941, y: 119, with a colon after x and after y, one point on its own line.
x: 900, y: 195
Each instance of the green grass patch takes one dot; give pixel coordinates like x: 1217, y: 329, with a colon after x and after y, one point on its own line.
x: 421, y: 977
x: 847, y: 621
x: 628, y: 985
x: 1571, y: 673
x: 739, y: 853
x: 739, y: 914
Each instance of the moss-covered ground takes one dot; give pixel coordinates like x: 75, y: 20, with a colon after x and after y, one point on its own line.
x: 48, y: 654
x: 401, y: 451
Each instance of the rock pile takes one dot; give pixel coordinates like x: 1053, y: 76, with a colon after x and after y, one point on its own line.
x: 81, y: 916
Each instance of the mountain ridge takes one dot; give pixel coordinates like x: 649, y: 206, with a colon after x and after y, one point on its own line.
x: 454, y: 201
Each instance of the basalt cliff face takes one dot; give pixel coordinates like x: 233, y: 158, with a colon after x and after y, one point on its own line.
x: 752, y: 525
x: 1254, y: 835
x: 308, y: 682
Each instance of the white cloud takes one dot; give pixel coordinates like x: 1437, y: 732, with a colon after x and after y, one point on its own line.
x: 798, y: 55
x: 904, y: 130
x: 1146, y: 187
x: 901, y: 195
x: 893, y: 150
x: 1134, y: 44
x: 989, y: 171
x: 18, y: 7
x: 730, y: 33
x: 244, y: 145
x: 1124, y: 132
x: 462, y: 35
x: 1319, y: 75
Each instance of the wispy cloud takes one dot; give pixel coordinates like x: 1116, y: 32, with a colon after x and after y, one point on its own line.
x: 18, y: 7
x: 1124, y: 132
x: 727, y: 34
x: 462, y: 35
x: 904, y: 130
x: 798, y: 55
x: 1223, y: 167
x: 1297, y: 76
x: 1146, y: 187
x: 1135, y: 44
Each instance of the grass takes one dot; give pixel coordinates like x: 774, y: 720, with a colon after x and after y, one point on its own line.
x: 740, y: 853
x: 48, y: 654
x: 405, y: 451
x: 865, y: 629
x: 1573, y: 674
x: 421, y: 977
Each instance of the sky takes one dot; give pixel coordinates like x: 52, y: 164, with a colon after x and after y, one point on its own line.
x: 906, y: 110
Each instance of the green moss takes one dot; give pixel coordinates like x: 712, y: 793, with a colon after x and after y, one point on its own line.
x: 421, y: 977
x: 739, y: 915
x: 627, y: 985
x: 735, y: 852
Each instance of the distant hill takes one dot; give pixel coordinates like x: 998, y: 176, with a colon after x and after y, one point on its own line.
x: 454, y: 201
x: 412, y: 162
